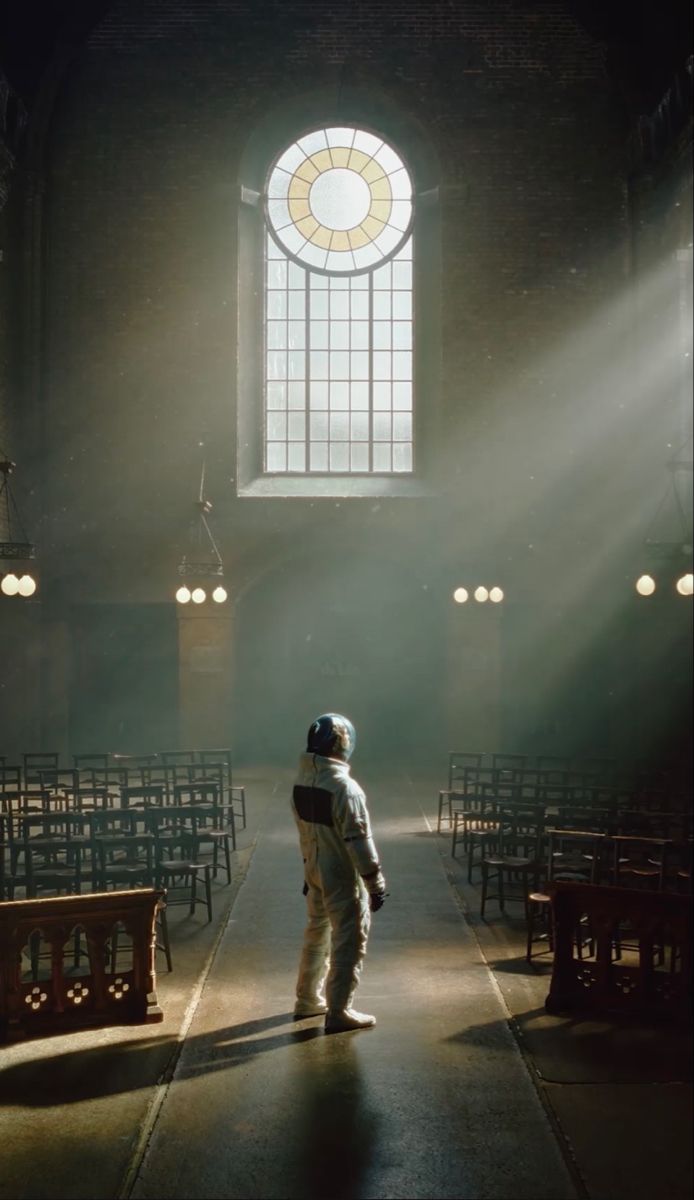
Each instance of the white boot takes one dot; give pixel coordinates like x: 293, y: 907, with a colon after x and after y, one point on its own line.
x: 308, y: 1008
x: 348, y: 1018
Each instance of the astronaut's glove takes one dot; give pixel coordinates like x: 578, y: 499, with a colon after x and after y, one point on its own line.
x: 376, y: 886
x: 304, y: 890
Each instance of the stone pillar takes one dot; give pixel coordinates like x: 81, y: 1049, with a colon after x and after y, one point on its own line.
x: 204, y: 675
x: 474, y: 676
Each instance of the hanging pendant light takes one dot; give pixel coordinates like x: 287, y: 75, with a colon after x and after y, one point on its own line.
x: 15, y: 580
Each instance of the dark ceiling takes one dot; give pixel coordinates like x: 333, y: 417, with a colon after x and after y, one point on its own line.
x: 647, y: 40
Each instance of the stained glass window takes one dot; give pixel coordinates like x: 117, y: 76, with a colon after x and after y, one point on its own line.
x: 338, y: 308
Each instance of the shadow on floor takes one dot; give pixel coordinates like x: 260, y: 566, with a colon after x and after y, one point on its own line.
x: 77, y: 1075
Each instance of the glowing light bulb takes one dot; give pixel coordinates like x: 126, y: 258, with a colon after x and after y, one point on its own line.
x: 198, y: 595
x: 685, y: 585
x: 645, y: 585
x: 26, y: 585
x: 183, y: 595
x: 219, y: 594
x: 496, y: 595
x: 10, y: 585
x: 460, y: 595
x: 481, y: 594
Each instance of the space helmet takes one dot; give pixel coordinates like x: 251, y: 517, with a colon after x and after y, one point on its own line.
x: 331, y: 733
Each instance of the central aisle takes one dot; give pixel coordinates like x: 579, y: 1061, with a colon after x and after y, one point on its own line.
x: 435, y: 1101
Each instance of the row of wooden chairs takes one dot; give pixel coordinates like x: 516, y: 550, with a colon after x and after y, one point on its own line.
x: 101, y: 783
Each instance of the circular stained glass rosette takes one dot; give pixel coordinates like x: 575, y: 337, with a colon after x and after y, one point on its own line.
x: 340, y: 200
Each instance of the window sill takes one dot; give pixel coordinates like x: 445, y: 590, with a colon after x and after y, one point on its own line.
x: 333, y: 487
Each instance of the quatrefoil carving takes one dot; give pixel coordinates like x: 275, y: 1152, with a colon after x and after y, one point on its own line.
x: 626, y: 984
x: 35, y: 998
x: 118, y: 988
x: 586, y: 977
x: 78, y: 992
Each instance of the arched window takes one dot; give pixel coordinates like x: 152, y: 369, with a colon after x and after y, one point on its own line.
x: 338, y: 308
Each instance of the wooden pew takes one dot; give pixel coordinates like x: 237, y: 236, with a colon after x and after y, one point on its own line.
x: 101, y: 996
x: 607, y: 983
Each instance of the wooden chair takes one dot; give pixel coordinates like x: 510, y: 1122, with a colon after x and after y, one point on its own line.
x: 176, y: 855
x: 515, y: 853
x: 33, y: 764
x: 233, y: 791
x: 572, y: 854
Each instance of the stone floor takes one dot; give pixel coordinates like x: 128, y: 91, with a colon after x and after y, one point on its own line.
x: 464, y: 1089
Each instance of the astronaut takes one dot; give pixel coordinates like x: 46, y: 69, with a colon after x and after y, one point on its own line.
x: 343, y: 881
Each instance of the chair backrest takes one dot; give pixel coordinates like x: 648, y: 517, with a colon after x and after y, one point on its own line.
x: 143, y: 795
x: 461, y: 760
x: 178, y: 756
x: 35, y: 762
x: 91, y: 760
x: 575, y: 854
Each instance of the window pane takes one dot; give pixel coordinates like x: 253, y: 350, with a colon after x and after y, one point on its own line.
x: 339, y: 426
x: 402, y: 396
x: 276, y: 365
x: 360, y: 335
x: 276, y: 335
x: 402, y: 427
x: 382, y: 427
x: 359, y: 426
x: 381, y: 394
x: 297, y: 427
x: 319, y: 426
x: 339, y: 364
x: 339, y: 456
x: 381, y: 306
x: 359, y: 396
x: 276, y: 395
x: 277, y: 273
x: 319, y: 364
x: 297, y: 394
x: 296, y: 361
x: 381, y: 457
x: 296, y: 307
x: 402, y: 306
x: 339, y: 305
x: 296, y: 458
x: 360, y: 364
x: 276, y: 426
x: 297, y: 335
x: 339, y: 335
x: 276, y: 305
x: 381, y: 364
x: 319, y: 456
x: 402, y: 364
x: 319, y: 395
x: 339, y: 396
x: 382, y: 332
x: 359, y: 304
x: 319, y: 305
x: 296, y: 277
x: 276, y: 456
x: 319, y: 335
x: 402, y: 274
x: 359, y: 457
x: 402, y: 456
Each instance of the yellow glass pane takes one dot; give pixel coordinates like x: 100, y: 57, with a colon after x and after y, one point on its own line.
x: 308, y: 226
x: 358, y: 160
x: 322, y: 160
x: 372, y: 171
x: 358, y: 238
x: 380, y: 209
x: 340, y: 240
x: 298, y: 209
x: 307, y: 171
x: 340, y: 155
x: 321, y: 237
x: 372, y: 227
x: 298, y: 188
x: 380, y: 189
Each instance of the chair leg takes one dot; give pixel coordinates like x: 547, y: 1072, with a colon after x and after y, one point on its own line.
x: 166, y: 945
x: 227, y: 859
x: 208, y: 893
x: 502, y: 902
x: 193, y: 891
x: 485, y: 881
x: 530, y: 921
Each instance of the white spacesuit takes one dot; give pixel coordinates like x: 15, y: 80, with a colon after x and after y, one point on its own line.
x: 342, y: 873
